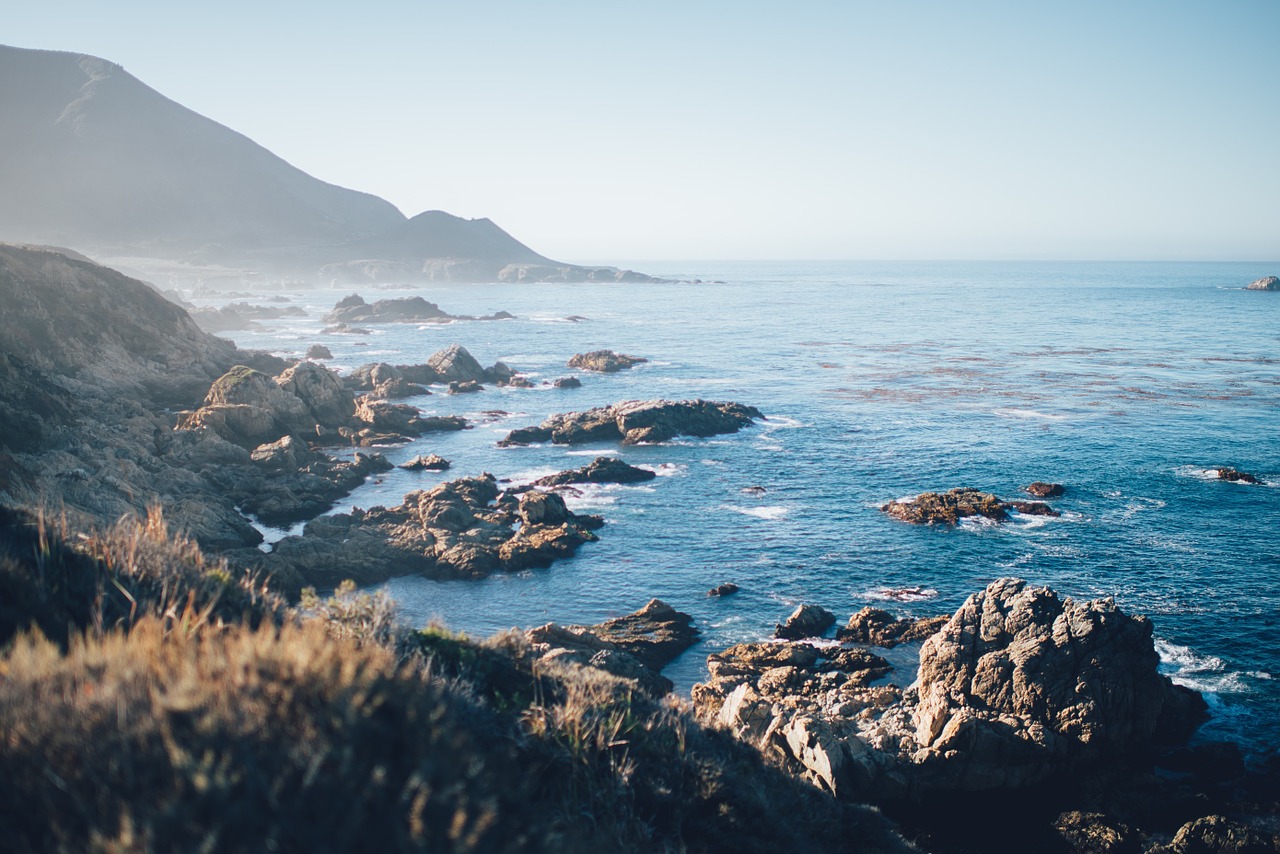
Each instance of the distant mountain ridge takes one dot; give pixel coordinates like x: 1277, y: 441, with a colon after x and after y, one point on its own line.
x: 92, y: 158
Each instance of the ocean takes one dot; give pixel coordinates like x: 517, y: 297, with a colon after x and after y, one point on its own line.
x: 1126, y: 382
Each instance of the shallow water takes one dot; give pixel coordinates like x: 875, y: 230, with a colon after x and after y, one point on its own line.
x: 881, y: 380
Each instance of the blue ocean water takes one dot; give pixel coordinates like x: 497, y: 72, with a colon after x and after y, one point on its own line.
x: 1125, y: 382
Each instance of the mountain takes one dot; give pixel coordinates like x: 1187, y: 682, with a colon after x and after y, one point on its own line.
x: 92, y: 158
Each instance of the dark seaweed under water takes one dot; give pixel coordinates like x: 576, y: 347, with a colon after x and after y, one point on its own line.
x: 1125, y: 382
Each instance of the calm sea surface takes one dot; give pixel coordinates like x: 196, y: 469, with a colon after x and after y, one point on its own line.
x: 882, y: 380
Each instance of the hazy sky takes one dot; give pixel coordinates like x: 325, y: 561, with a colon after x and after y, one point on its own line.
x: 604, y: 131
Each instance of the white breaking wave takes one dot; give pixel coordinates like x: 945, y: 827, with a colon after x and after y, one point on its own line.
x: 1206, y: 673
x: 1027, y: 414
x: 770, y: 513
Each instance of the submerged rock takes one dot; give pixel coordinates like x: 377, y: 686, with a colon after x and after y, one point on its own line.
x: 605, y: 361
x: 638, y: 421
x: 726, y: 589
x: 599, y: 470
x: 949, y: 508
x: 1236, y: 476
x: 1041, y: 489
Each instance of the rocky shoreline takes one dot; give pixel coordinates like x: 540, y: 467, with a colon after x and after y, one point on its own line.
x: 1021, y: 696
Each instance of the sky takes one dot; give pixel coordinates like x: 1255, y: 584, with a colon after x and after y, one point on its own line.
x: 603, y: 130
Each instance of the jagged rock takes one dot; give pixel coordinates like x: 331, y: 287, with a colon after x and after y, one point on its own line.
x: 1236, y: 476
x: 455, y: 364
x: 517, y: 382
x: 880, y: 628
x: 568, y: 382
x: 605, y: 361
x: 726, y: 589
x: 319, y: 351
x: 638, y: 421
x: 599, y: 470
x: 636, y: 646
x: 299, y: 483
x: 240, y: 315
x: 397, y: 389
x: 1041, y: 489
x: 370, y: 376
x: 403, y: 419
x: 1016, y: 687
x: 806, y: 621
x: 432, y: 462
x: 465, y: 387
x: 1216, y: 834
x: 949, y: 508
x: 1266, y: 283
x: 319, y: 388
x: 1094, y: 833
x: 500, y: 374
x: 248, y: 408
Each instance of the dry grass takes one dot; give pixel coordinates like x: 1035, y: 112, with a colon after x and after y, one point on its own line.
x: 179, y: 709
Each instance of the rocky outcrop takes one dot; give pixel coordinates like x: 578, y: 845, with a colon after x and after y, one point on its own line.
x: 726, y: 589
x: 638, y: 421
x: 1041, y: 489
x: 1266, y: 283
x: 806, y: 621
x: 567, y: 382
x: 319, y: 351
x: 635, y: 646
x: 460, y: 529
x: 1017, y: 687
x: 291, y: 483
x: 353, y: 309
x: 877, y: 627
x: 605, y: 361
x: 455, y: 364
x: 599, y: 470
x: 321, y: 391
x: 948, y: 508
x: 1236, y: 476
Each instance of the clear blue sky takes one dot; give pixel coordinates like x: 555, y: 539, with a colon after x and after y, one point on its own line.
x: 601, y: 131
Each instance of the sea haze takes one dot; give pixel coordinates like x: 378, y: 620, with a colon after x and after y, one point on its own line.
x: 1125, y: 382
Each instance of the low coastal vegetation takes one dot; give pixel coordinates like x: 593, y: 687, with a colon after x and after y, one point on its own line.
x: 152, y: 700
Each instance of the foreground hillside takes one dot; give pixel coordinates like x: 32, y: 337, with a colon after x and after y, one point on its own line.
x: 158, y: 703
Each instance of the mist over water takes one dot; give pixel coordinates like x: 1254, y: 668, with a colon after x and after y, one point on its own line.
x: 1125, y: 382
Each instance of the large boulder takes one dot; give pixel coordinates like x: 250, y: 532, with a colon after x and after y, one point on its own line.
x: 1266, y: 283
x: 636, y: 421
x: 321, y: 391
x: 455, y: 364
x: 248, y: 408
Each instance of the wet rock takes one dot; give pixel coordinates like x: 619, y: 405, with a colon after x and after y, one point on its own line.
x: 500, y: 374
x: 369, y: 376
x: 880, y: 628
x: 599, y: 470
x: 1041, y: 489
x: 398, y: 389
x: 948, y: 508
x: 1236, y: 476
x: 299, y: 483
x: 353, y: 309
x: 455, y: 530
x: 568, y: 382
x: 1266, y: 283
x: 401, y: 418
x: 345, y: 329
x: 806, y: 621
x: 432, y: 462
x: 319, y: 351
x: 726, y: 589
x: 465, y: 387
x: 638, y: 421
x: 754, y: 490
x: 605, y: 361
